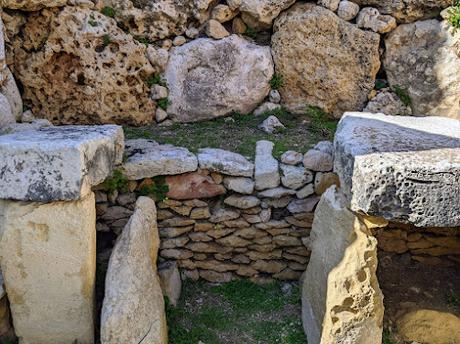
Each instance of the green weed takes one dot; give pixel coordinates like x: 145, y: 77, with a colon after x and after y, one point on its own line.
x: 155, y: 79
x: 117, y: 181
x: 453, y: 16
x: 402, y: 93
x: 106, y: 40
x: 321, y: 124
x: 109, y: 11
x: 163, y: 103
x: 157, y: 190
x: 276, y: 82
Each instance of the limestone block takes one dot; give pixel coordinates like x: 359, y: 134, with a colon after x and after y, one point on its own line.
x: 133, y: 309
x: 341, y: 298
x: 48, y: 260
x: 266, y: 173
x: 401, y: 168
x: 57, y: 163
x: 147, y: 158
x: 222, y: 161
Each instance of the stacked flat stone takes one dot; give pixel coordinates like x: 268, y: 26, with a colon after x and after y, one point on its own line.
x: 225, y: 216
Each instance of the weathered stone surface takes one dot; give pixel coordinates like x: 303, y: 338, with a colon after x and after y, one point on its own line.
x: 239, y: 184
x: 221, y: 215
x: 6, y: 114
x: 401, y: 169
x: 294, y: 177
x: 147, y: 158
x: 266, y: 172
x: 316, y: 160
x: 325, y: 180
x: 200, y: 72
x: 278, y: 192
x: 408, y: 10
x: 329, y: 4
x: 347, y: 10
x: 57, y: 163
x: 291, y: 158
x: 306, y: 191
x: 78, y: 67
x: 259, y: 14
x: 341, y: 298
x: 48, y: 261
x: 192, y: 185
x: 429, y: 326
x: 170, y: 281
x: 222, y: 161
x: 435, y: 88
x: 303, y: 205
x: 388, y: 103
x: 271, y: 125
x: 133, y: 309
x: 158, y: 19
x: 9, y: 89
x: 370, y: 18
x: 32, y: 5
x: 216, y: 30
x: 310, y: 47
x: 266, y: 108
x: 242, y: 202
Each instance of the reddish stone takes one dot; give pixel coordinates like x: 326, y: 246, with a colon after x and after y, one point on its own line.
x: 193, y: 185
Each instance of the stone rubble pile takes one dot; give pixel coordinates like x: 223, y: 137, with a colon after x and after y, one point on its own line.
x: 137, y: 62
x: 228, y: 217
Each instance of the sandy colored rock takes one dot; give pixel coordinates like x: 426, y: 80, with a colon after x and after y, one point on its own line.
x: 435, y: 89
x: 429, y: 326
x: 310, y: 47
x: 201, y: 71
x: 133, y: 309
x: 170, y: 281
x: 388, y: 103
x: 370, y: 18
x: 216, y: 30
x: 158, y: 19
x: 48, y: 261
x: 341, y: 298
x: 259, y: 14
x: 32, y: 5
x: 78, y: 67
x: 408, y: 10
x: 192, y: 185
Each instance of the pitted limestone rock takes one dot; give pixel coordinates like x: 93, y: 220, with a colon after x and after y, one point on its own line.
x: 259, y: 14
x: 435, y: 88
x: 401, y: 168
x: 133, y: 309
x: 310, y: 47
x: 57, y: 163
x: 222, y: 161
x: 147, y: 158
x: 406, y: 11
x: 32, y: 5
x: 78, y: 67
x: 199, y: 73
x: 341, y: 298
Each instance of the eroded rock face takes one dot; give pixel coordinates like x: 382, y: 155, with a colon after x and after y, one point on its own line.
x: 209, y: 79
x: 158, y: 19
x: 311, y: 46
x: 341, y: 298
x: 48, y: 261
x: 406, y: 11
x: 57, y: 163
x: 133, y: 309
x: 400, y: 169
x: 78, y: 67
x: 32, y: 5
x: 259, y: 14
x: 423, y: 58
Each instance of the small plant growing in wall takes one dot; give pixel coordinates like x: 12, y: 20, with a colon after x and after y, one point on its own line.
x: 402, y: 93
x: 155, y: 79
x: 276, y: 82
x: 321, y: 124
x: 92, y: 21
x: 163, y: 103
x: 109, y: 11
x: 143, y: 40
x: 453, y: 16
x: 250, y: 32
x: 117, y: 181
x: 106, y: 40
x: 156, y: 190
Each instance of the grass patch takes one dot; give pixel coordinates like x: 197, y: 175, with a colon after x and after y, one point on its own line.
x: 236, y: 312
x: 387, y: 337
x: 276, y: 82
x: 108, y: 11
x: 403, y: 95
x: 453, y: 16
x: 239, y: 133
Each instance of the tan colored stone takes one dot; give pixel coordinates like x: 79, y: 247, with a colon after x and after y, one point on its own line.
x: 216, y: 265
x: 48, y: 261
x: 251, y: 233
x: 310, y: 47
x: 220, y: 232
x: 216, y: 277
x: 389, y: 244
x: 176, y: 222
x: 324, y: 181
x: 296, y: 258
x: 271, y: 253
x: 216, y: 30
x: 373, y: 222
x: 193, y: 185
x: 288, y: 274
x: 204, y: 226
x: 174, y: 242
x: 238, y: 223
x: 429, y: 326
x: 172, y: 232
x: 208, y: 247
x: 200, y: 236
x: 341, y: 298
x: 176, y: 253
x: 233, y: 241
x: 32, y: 5
x: 269, y: 266
x: 170, y: 281
x: 191, y: 274
x: 286, y: 240
x: 238, y: 26
x: 246, y: 271
x: 78, y: 67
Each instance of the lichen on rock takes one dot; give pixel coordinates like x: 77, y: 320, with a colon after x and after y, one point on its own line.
x: 77, y: 67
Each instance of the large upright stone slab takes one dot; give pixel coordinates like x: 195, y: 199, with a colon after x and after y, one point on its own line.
x: 266, y: 174
x: 57, y: 163
x: 341, y: 298
x: 48, y: 261
x: 401, y: 168
x: 133, y: 309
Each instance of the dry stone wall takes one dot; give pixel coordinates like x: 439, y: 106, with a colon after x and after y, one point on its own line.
x: 228, y: 217
x: 140, y: 62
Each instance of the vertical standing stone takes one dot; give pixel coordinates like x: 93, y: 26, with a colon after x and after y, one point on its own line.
x: 47, y: 254
x: 266, y: 173
x: 133, y: 309
x: 341, y: 298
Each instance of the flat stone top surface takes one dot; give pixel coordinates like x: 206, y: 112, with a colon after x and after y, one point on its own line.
x: 57, y: 163
x: 401, y: 168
